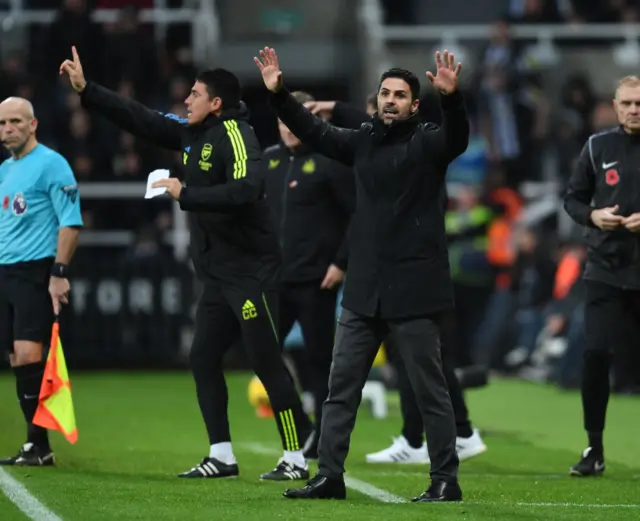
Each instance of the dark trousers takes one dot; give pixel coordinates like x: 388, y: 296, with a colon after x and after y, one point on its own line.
x: 223, y: 314
x: 612, y: 318
x: 315, y: 309
x: 358, y: 339
x: 413, y: 426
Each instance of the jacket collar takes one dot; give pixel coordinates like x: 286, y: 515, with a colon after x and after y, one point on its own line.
x: 239, y: 113
x: 398, y: 128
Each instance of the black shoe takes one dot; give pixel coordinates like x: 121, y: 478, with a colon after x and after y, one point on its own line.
x: 211, y: 468
x: 591, y: 464
x: 440, y: 491
x: 319, y: 487
x: 31, y: 456
x: 286, y: 471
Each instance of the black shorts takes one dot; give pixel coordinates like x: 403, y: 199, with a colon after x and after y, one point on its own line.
x: 26, y: 311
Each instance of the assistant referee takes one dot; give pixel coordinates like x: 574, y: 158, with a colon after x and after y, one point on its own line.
x: 39, y: 225
x: 603, y: 195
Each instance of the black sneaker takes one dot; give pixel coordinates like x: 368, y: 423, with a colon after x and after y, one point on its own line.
x: 591, y: 464
x: 31, y: 456
x: 211, y: 468
x: 286, y: 472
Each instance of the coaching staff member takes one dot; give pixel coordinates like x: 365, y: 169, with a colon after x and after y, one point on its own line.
x: 398, y: 277
x: 39, y: 225
x: 311, y: 199
x: 603, y: 194
x: 234, y: 251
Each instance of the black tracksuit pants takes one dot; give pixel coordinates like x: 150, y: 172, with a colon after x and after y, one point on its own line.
x: 612, y: 319
x: 250, y: 311
x: 358, y: 339
x: 315, y: 310
x: 413, y: 426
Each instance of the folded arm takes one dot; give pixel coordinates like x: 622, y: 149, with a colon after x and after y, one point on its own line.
x: 162, y: 130
x: 240, y: 156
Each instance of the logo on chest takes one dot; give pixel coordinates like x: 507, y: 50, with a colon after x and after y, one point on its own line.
x: 612, y: 177
x: 19, y: 205
x: 205, y: 155
x: 309, y: 167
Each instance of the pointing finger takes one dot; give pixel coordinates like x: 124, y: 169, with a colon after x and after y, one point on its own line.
x: 74, y: 52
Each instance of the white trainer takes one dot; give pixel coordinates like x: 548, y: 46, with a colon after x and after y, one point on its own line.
x: 400, y: 452
x: 470, y: 447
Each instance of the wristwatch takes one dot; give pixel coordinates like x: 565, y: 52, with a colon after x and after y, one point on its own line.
x: 60, y: 270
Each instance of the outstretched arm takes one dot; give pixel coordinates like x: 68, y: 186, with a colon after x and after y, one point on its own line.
x: 164, y: 131
x: 452, y: 138
x: 328, y: 140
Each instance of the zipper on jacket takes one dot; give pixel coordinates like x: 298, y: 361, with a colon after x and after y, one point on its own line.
x: 283, y: 216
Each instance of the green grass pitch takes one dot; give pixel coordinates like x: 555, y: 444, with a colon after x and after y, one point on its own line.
x: 137, y: 431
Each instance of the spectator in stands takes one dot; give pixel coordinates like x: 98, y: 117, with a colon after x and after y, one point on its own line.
x: 512, y: 109
x: 399, y: 12
x: 536, y: 11
x: 130, y: 54
x: 467, y: 222
x: 501, y: 253
x: 532, y: 281
x: 603, y: 117
x: 566, y: 316
x: 73, y: 26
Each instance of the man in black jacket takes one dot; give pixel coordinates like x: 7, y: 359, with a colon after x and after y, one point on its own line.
x: 234, y: 251
x: 311, y: 199
x: 398, y: 277
x: 603, y: 196
x: 410, y: 447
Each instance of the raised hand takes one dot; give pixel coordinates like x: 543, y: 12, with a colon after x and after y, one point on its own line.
x: 446, y: 78
x: 270, y: 69
x: 73, y: 69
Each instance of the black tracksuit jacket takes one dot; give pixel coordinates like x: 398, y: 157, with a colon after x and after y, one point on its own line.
x: 232, y: 238
x: 607, y: 173
x: 398, y: 259
x: 311, y: 199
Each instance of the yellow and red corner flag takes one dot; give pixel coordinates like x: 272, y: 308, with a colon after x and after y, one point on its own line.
x: 55, y: 406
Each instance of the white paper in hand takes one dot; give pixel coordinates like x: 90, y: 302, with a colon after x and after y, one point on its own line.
x: 154, y: 176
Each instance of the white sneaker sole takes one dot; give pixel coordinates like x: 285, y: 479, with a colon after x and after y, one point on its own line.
x: 471, y: 452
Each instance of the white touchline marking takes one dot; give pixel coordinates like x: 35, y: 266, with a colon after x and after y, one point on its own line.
x: 373, y: 492
x: 387, y: 497
x: 24, y: 500
x: 578, y: 505
x: 355, y: 484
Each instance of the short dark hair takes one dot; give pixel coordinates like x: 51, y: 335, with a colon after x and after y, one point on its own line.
x: 302, y: 97
x: 372, y: 99
x: 222, y: 84
x: 403, y: 74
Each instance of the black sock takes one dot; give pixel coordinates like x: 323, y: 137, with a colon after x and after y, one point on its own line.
x: 595, y: 395
x: 595, y: 442
x: 28, y: 382
x: 464, y: 429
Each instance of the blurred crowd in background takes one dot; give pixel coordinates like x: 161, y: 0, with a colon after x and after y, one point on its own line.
x: 518, y: 288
